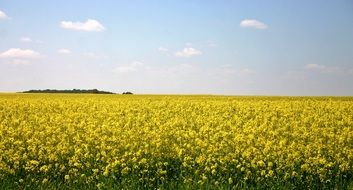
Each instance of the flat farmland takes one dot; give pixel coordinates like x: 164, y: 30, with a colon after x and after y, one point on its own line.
x: 63, y: 141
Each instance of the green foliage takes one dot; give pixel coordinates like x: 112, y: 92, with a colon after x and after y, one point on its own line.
x: 74, y: 91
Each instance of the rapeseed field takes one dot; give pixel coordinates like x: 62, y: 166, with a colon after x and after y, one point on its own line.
x: 61, y: 141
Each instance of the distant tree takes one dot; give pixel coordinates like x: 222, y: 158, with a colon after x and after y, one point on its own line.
x: 127, y: 93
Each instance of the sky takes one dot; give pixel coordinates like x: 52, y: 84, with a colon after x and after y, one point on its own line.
x: 178, y: 47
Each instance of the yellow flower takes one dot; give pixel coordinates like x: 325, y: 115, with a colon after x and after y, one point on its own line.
x: 45, y: 180
x: 230, y: 180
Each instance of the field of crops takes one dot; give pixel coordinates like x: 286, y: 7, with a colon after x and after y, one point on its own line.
x: 60, y: 141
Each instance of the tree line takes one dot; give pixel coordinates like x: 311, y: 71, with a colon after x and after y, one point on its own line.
x: 74, y: 91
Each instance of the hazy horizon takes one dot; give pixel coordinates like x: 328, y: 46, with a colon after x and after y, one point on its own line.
x: 289, y: 48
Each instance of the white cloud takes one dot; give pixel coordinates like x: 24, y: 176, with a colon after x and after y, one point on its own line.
x: 315, y: 67
x: 30, y: 40
x: 163, y: 49
x: 251, y: 23
x: 323, y: 68
x: 19, y: 53
x: 25, y: 39
x: 90, y: 25
x: 3, y: 15
x: 64, y: 51
x: 132, y: 67
x: 188, y: 52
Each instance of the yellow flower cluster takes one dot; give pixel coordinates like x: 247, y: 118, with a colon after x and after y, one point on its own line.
x: 156, y: 140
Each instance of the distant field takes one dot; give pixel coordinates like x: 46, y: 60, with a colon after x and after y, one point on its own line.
x: 60, y: 141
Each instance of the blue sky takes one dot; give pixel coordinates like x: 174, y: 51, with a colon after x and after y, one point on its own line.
x: 178, y: 47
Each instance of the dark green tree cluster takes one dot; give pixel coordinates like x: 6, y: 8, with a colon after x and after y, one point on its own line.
x: 75, y: 91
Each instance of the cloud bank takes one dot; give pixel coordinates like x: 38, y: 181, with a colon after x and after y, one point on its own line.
x: 323, y: 68
x: 19, y: 53
x: 251, y: 23
x: 188, y: 52
x: 3, y: 15
x: 89, y: 25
